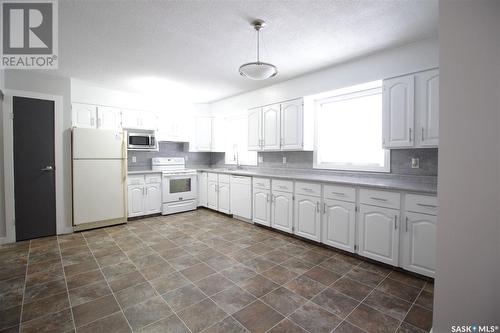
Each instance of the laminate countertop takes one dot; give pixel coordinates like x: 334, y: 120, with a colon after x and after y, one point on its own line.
x: 399, y: 183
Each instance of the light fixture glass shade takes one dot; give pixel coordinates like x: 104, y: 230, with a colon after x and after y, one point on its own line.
x: 258, y: 70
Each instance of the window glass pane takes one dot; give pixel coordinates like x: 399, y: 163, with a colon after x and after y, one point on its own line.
x: 349, y: 132
x: 237, y: 142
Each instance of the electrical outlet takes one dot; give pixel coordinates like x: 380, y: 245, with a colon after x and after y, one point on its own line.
x: 415, y: 163
x: 284, y: 159
x: 261, y: 159
x: 134, y: 159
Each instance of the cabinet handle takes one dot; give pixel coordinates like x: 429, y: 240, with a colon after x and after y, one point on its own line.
x: 395, y: 222
x: 318, y: 209
x: 407, y: 224
x: 338, y: 193
x: 426, y: 205
x: 146, y: 191
x: 409, y: 130
x: 378, y: 199
x: 307, y: 189
x: 324, y: 207
x: 422, y: 134
x: 267, y: 197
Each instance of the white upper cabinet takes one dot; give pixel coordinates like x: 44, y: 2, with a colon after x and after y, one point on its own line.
x: 203, y: 133
x: 279, y: 126
x: 282, y: 211
x: 419, y: 243
x: 307, y: 217
x: 378, y: 233
x: 398, y: 112
x: 271, y: 127
x: 137, y: 119
x: 255, y: 129
x: 84, y: 115
x: 427, y: 108
x: 339, y: 220
x: 109, y: 117
x: 292, y: 125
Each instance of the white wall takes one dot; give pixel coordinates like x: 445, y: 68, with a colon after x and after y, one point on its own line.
x: 467, y: 289
x: 410, y: 58
x: 53, y: 85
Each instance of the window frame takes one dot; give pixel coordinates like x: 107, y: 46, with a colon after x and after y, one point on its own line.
x: 232, y: 161
x: 346, y: 94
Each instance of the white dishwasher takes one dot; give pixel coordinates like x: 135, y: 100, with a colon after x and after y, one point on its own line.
x: 241, y: 197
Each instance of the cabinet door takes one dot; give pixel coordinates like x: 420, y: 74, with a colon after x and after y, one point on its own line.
x: 84, y: 116
x: 203, y: 189
x: 427, y: 108
x: 292, y: 124
x: 212, y: 195
x: 219, y: 133
x: 203, y: 139
x: 148, y: 120
x: 224, y: 198
x: 255, y: 129
x: 419, y: 243
x: 398, y: 111
x: 109, y: 118
x: 307, y: 217
x: 338, y: 224
x: 282, y: 211
x: 271, y: 127
x: 152, y: 201
x: 261, y: 207
x: 135, y: 201
x: 378, y: 233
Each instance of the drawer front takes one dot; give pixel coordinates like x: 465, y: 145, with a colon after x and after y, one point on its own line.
x: 245, y: 180
x: 421, y: 204
x: 340, y: 193
x: 212, y: 177
x: 153, y: 179
x: 308, y: 189
x: 262, y: 183
x: 223, y: 178
x: 380, y: 198
x: 135, y: 179
x: 282, y: 185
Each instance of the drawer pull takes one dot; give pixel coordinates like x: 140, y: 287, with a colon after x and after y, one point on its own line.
x: 426, y: 205
x: 338, y: 193
x: 307, y: 189
x: 379, y: 199
x: 318, y: 207
x: 282, y: 186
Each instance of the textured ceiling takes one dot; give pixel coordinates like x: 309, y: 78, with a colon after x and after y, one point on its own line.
x: 195, y: 47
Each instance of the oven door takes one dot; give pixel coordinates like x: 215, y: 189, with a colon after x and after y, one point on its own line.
x: 179, y: 187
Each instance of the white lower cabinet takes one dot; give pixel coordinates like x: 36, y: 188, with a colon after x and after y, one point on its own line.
x: 224, y: 198
x: 212, y: 197
x: 307, y: 214
x: 282, y: 211
x: 152, y: 199
x: 135, y: 200
x: 203, y: 189
x: 144, y: 195
x: 419, y: 243
x: 339, y: 221
x: 378, y: 233
x: 261, y: 206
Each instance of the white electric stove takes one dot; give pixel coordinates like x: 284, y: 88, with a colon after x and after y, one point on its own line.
x: 179, y: 185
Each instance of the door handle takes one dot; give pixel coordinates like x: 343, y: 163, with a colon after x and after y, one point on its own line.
x: 409, y: 132
x: 395, y: 222
x: 47, y: 168
x: 318, y: 209
x: 422, y: 134
x: 324, y: 207
x: 407, y: 224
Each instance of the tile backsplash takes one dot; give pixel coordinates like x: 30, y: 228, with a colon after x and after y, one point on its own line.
x: 167, y: 149
x: 400, y: 159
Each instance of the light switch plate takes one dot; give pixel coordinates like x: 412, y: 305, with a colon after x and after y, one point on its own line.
x: 415, y: 163
x: 261, y: 159
x: 284, y: 159
x: 134, y: 159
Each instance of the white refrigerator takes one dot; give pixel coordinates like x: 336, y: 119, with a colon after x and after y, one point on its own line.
x: 99, y: 178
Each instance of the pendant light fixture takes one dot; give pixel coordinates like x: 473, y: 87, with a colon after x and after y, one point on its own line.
x: 258, y: 70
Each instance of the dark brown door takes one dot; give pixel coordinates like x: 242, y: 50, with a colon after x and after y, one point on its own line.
x: 34, y: 170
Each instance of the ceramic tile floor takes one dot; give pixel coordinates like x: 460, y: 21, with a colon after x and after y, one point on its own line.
x: 201, y: 271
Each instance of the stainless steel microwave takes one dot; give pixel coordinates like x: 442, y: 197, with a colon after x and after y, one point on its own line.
x: 142, y: 140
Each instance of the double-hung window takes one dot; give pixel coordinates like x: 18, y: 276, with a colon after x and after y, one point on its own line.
x: 348, y: 130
